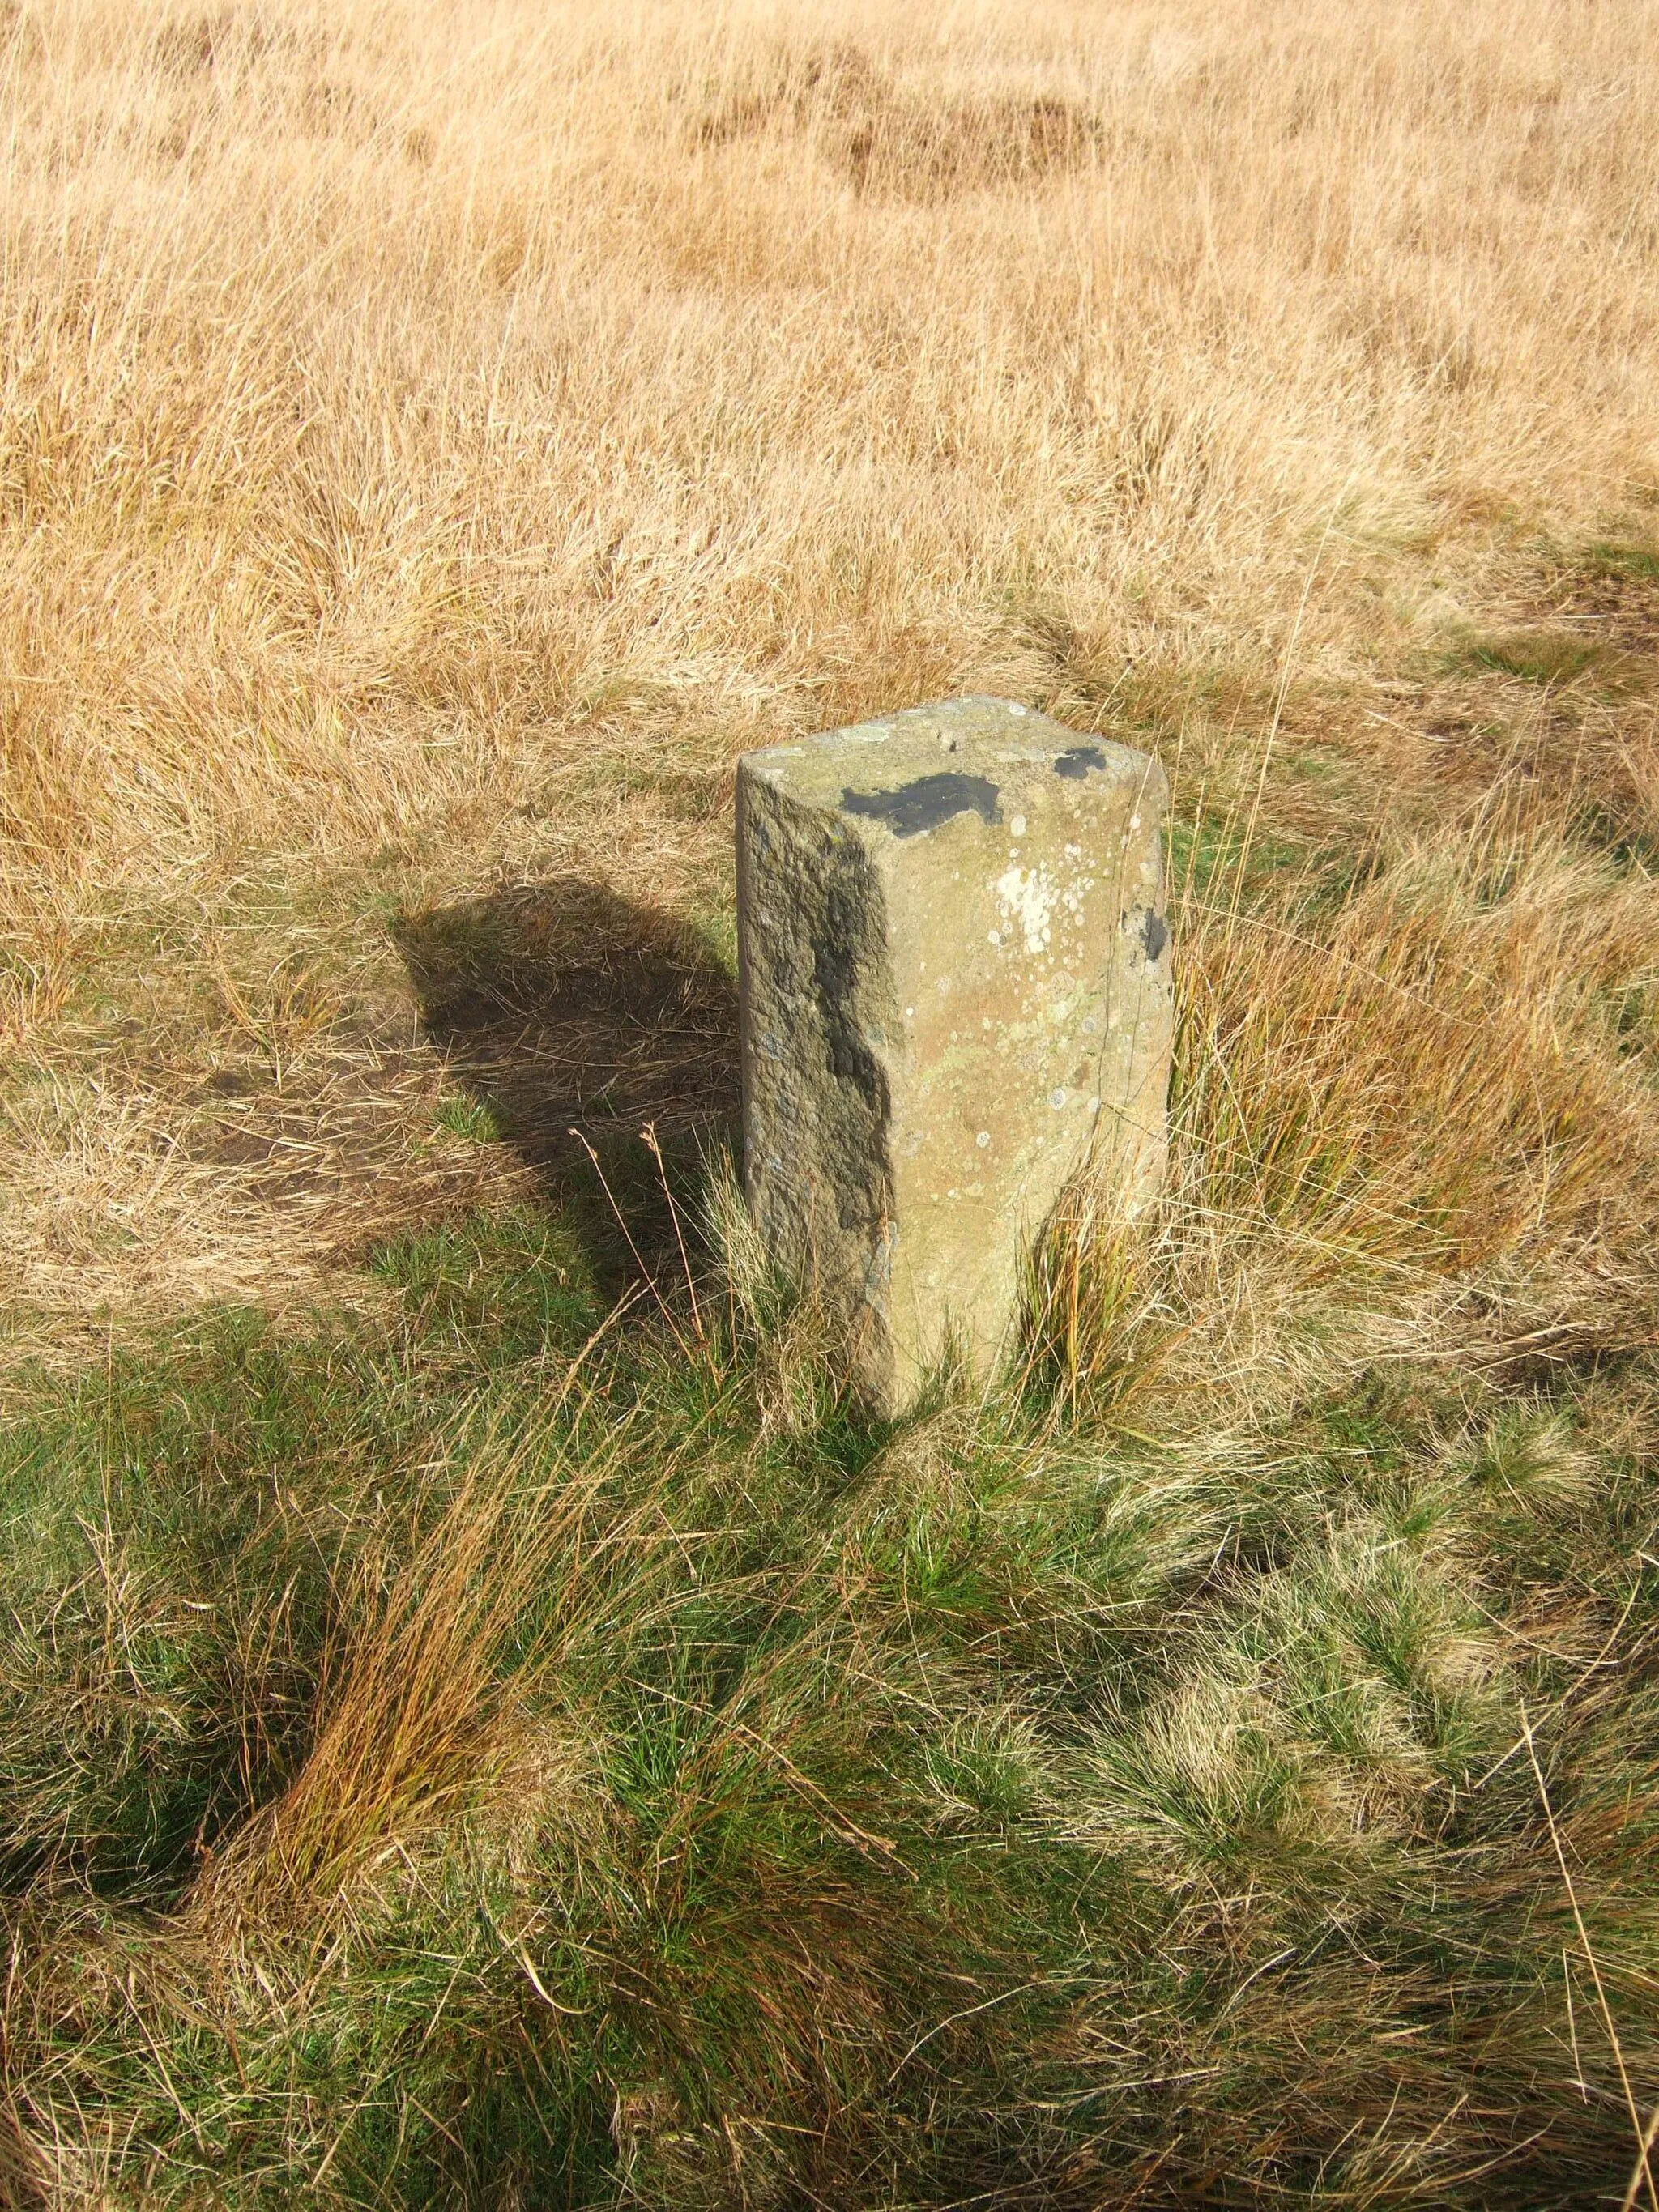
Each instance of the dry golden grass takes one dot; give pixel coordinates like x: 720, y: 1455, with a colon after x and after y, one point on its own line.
x: 440, y: 448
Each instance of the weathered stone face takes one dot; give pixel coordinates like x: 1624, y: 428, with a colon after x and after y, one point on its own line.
x: 955, y: 984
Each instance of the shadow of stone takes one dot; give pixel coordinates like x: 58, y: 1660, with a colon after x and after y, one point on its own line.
x: 562, y: 1005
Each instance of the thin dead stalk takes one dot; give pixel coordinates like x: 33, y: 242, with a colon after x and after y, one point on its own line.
x: 1641, y: 2175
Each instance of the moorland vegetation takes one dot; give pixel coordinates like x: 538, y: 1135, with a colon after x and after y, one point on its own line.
x: 482, y: 1719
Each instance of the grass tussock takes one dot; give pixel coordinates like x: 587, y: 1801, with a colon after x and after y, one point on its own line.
x: 483, y: 1718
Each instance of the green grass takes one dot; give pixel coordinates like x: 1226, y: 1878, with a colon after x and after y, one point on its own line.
x: 475, y: 1119
x: 1625, y: 557
x: 1537, y: 656
x: 988, y: 1807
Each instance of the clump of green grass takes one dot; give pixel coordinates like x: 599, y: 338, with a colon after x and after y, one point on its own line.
x: 472, y: 1118
x: 1537, y: 656
x: 1626, y: 557
x: 504, y: 1286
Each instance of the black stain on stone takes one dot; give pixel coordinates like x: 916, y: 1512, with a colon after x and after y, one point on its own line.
x: 863, y: 1106
x: 1154, y: 934
x: 926, y: 802
x: 1076, y: 764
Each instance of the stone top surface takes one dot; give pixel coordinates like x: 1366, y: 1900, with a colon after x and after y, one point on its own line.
x: 909, y: 772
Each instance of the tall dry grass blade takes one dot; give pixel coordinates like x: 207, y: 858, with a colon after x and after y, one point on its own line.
x: 648, y: 1138
x: 1644, y: 2173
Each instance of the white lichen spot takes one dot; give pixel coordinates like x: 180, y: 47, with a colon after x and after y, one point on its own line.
x: 1094, y: 1105
x: 1056, y: 1099
x: 983, y: 1139
x: 994, y: 935
x: 1026, y: 896
x: 1016, y: 825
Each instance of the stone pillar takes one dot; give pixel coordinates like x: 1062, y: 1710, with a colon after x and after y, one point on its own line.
x: 955, y: 975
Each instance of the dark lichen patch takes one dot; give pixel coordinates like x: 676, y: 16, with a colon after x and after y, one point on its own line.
x: 1075, y: 764
x: 1154, y: 934
x: 928, y: 802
